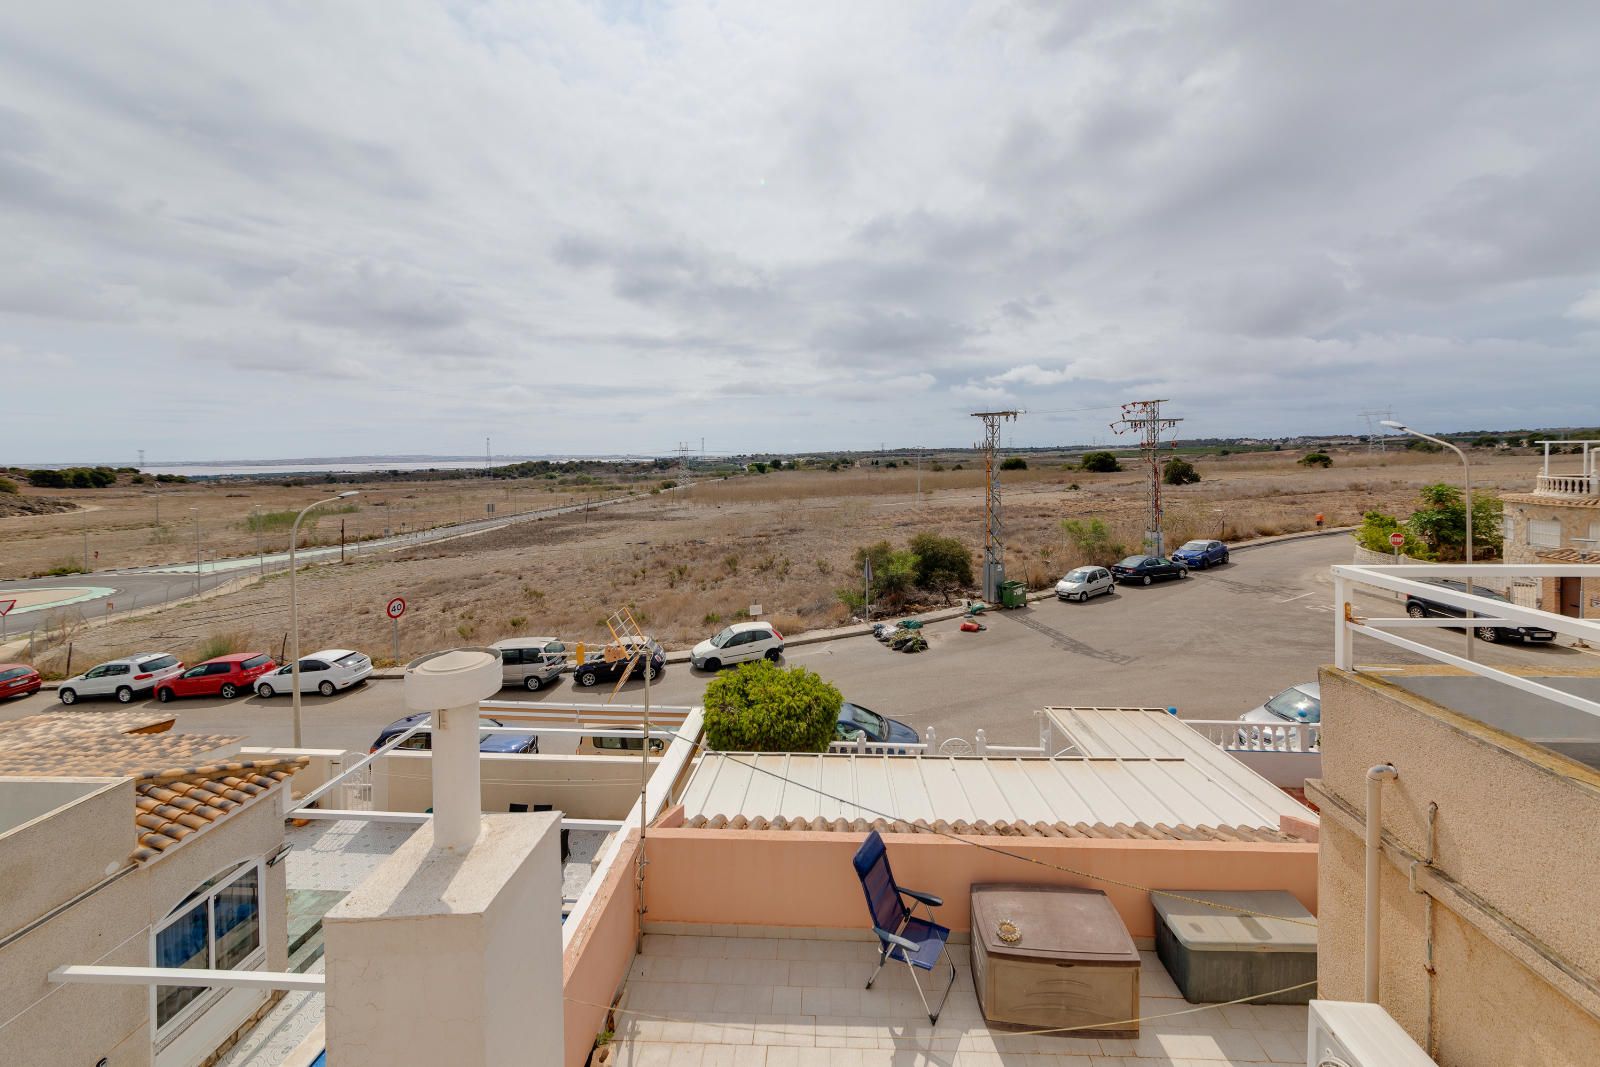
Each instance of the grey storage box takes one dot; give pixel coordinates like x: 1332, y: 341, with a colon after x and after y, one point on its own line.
x: 1217, y: 955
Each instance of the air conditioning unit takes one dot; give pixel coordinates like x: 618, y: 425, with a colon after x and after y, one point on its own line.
x: 1347, y: 1034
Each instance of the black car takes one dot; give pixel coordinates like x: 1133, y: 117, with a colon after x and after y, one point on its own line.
x: 1422, y: 608
x: 608, y: 664
x: 1146, y: 569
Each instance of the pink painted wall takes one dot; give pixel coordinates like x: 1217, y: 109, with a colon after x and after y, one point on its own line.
x: 599, y: 954
x: 788, y: 878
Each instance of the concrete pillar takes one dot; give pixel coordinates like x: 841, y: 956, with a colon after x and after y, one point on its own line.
x: 450, y: 684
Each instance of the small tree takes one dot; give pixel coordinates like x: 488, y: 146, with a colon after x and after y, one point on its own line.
x: 1486, y: 442
x: 1373, y: 535
x: 944, y: 564
x: 1177, y: 471
x: 761, y: 707
x: 893, y: 573
x: 1101, y: 462
x: 1441, y: 522
x: 1316, y: 459
x: 1093, y: 541
x: 1013, y: 463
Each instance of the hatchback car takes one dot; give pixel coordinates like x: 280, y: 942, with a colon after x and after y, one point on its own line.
x: 880, y: 729
x: 608, y: 664
x: 225, y: 677
x: 1084, y: 583
x: 18, y: 680
x: 1421, y: 608
x: 739, y: 643
x: 324, y: 672
x: 1201, y: 554
x: 531, y: 662
x: 1146, y: 569
x: 122, y: 678
x: 423, y: 742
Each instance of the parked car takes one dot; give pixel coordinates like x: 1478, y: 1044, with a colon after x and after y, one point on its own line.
x: 739, y: 643
x: 880, y: 729
x: 424, y: 741
x: 607, y: 664
x: 225, y: 676
x: 1201, y: 554
x: 1297, y: 705
x: 1084, y: 583
x: 1421, y: 607
x: 1146, y: 569
x: 121, y: 678
x: 18, y: 680
x: 531, y: 662
x: 324, y: 672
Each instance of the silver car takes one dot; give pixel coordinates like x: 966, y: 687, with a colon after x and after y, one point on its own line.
x: 531, y: 662
x: 1084, y: 583
x: 1299, y: 705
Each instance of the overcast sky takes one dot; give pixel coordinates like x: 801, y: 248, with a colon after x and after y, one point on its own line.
x: 297, y: 229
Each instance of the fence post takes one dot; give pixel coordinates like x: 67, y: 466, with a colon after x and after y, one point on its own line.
x: 980, y: 741
x: 930, y: 739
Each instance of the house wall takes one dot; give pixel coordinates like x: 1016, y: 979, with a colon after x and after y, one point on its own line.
x: 599, y: 953
x: 583, y: 787
x: 1575, y: 522
x: 81, y: 1024
x: 1514, y: 864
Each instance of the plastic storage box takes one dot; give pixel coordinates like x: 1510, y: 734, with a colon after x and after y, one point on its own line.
x: 1218, y: 955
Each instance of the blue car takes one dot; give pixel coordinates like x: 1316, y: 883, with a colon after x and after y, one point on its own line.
x: 517, y: 743
x: 879, y: 729
x: 1198, y: 555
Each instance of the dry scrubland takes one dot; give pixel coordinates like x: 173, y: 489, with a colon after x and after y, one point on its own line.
x: 689, y: 562
x: 122, y: 527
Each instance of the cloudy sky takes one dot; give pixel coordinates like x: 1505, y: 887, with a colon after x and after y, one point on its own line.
x: 298, y: 228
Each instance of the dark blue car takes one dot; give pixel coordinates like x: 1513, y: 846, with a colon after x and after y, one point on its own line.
x: 879, y: 729
x: 1202, y: 554
x: 520, y: 743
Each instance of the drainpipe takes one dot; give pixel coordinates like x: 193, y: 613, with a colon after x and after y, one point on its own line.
x: 1376, y: 776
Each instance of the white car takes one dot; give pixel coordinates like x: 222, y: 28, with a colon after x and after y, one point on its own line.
x: 1296, y: 706
x: 742, y: 642
x: 122, y: 678
x: 1084, y: 583
x: 324, y: 672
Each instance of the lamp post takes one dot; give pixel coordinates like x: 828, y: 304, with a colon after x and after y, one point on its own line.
x: 196, y: 513
x: 294, y: 610
x: 1466, y: 487
x: 261, y: 559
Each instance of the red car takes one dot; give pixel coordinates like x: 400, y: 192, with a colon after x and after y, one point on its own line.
x: 17, y: 680
x: 225, y: 676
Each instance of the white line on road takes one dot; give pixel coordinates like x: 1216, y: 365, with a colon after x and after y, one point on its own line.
x: 1302, y: 596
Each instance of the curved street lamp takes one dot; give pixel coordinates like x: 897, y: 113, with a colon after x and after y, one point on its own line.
x: 1466, y: 485
x: 294, y: 608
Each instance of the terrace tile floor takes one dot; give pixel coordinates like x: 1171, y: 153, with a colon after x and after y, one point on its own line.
x: 707, y: 1001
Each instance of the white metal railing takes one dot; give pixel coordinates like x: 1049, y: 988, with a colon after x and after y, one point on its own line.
x: 1578, y: 485
x: 862, y: 747
x: 92, y: 974
x: 1407, y: 579
x: 1232, y: 735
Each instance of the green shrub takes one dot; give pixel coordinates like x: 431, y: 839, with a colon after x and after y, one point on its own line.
x: 221, y: 644
x: 1373, y: 535
x: 1315, y: 459
x: 761, y: 707
x: 7, y: 485
x: 1176, y: 471
x: 1094, y: 541
x: 61, y: 568
x: 1100, y: 462
x: 1441, y: 522
x: 943, y: 564
x: 894, y: 573
x: 1013, y: 463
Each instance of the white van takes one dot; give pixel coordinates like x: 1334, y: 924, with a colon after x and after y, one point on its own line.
x: 531, y: 662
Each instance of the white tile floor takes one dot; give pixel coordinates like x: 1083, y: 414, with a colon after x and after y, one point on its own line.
x: 780, y: 1002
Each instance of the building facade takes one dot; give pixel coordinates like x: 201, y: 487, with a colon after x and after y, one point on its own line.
x: 1559, y: 522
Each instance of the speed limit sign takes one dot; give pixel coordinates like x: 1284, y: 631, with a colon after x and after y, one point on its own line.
x: 397, y: 607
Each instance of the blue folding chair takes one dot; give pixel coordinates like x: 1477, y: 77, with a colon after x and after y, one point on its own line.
x: 918, y: 943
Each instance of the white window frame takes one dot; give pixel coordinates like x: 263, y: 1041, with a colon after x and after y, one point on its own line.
x: 164, y: 1035
x: 1535, y: 526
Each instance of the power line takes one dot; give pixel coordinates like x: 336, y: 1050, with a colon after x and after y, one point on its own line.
x: 1144, y: 416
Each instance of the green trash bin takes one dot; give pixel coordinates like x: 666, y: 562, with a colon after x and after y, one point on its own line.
x: 1013, y: 594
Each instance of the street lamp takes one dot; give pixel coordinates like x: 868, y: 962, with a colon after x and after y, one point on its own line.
x: 196, y: 513
x: 1466, y: 485
x: 261, y: 559
x: 294, y: 609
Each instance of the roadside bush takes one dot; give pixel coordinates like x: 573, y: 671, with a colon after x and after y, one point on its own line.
x: 1441, y: 522
x: 7, y: 485
x: 1101, y: 462
x: 1094, y: 541
x: 1315, y: 459
x: 943, y: 565
x: 1486, y: 442
x: 220, y: 644
x: 1178, y: 471
x: 761, y: 707
x: 1013, y: 463
x: 1373, y: 535
x: 1417, y: 444
x: 60, y: 568
x: 893, y: 573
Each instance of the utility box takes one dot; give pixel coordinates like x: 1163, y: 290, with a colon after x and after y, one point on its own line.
x: 1013, y: 594
x: 1217, y: 954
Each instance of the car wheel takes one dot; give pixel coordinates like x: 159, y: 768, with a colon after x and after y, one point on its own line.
x: 587, y: 679
x: 326, y: 689
x: 532, y: 683
x: 713, y: 665
x: 1146, y: 579
x: 1488, y: 634
x: 774, y: 654
x: 1204, y: 564
x: 1416, y: 611
x: 228, y: 691
x: 1183, y: 572
x: 264, y: 692
x: 67, y: 696
x: 124, y: 695
x: 163, y: 694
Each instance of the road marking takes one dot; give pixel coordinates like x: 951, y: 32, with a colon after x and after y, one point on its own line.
x: 1302, y: 596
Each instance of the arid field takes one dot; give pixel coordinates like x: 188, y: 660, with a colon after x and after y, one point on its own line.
x: 689, y: 561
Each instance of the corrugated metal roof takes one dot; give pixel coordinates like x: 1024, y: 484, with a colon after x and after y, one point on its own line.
x: 1156, y: 733
x: 1104, y: 791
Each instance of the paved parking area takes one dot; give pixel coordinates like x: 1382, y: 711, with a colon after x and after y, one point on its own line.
x: 1212, y: 645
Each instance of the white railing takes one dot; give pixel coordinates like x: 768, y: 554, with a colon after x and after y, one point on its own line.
x: 1231, y: 735
x: 1578, y: 485
x: 862, y: 747
x: 1408, y: 578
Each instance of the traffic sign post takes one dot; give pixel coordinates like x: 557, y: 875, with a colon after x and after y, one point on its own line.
x: 396, y: 608
x: 5, y: 609
x: 1397, y: 539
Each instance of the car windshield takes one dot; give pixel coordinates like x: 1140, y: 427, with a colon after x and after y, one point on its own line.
x: 255, y: 661
x: 864, y: 717
x: 16, y: 672
x: 1195, y: 546
x: 722, y: 638
x: 351, y: 660
x: 1133, y: 561
x: 1082, y: 574
x: 1296, y: 706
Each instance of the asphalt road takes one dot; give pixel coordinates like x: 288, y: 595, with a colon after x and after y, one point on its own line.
x: 1213, y: 645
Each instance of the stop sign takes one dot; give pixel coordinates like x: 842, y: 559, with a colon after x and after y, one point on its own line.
x: 1397, y: 539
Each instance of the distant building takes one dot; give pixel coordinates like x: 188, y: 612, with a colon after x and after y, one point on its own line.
x: 1559, y: 522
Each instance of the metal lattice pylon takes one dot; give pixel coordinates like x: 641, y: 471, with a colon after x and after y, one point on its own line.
x: 1145, y: 417
x: 994, y: 541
